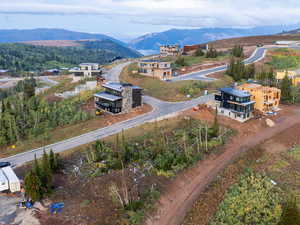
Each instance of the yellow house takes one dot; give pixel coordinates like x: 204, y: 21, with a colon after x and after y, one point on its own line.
x: 155, y: 68
x: 266, y: 98
x: 291, y: 74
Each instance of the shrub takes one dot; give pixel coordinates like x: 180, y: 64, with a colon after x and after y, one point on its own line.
x: 253, y: 200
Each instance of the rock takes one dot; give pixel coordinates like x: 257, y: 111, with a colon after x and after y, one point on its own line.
x: 270, y: 123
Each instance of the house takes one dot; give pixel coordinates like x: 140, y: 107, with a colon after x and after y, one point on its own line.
x: 266, y: 98
x: 87, y: 70
x: 170, y: 50
x: 4, y: 72
x: 156, y: 69
x: 9, y: 180
x: 193, y: 48
x: 293, y: 75
x: 52, y: 72
x: 118, y: 98
x: 234, y: 103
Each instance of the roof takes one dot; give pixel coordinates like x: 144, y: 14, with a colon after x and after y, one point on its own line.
x: 118, y: 86
x: 107, y: 96
x: 153, y: 61
x: 10, y: 174
x: 235, y: 92
x: 3, y: 179
x: 89, y: 64
x: 3, y: 71
x: 250, y: 85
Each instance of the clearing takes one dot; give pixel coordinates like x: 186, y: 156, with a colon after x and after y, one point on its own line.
x: 171, y: 91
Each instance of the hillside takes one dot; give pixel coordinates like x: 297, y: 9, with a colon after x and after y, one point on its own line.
x: 28, y: 57
x: 12, y: 36
x: 197, y: 36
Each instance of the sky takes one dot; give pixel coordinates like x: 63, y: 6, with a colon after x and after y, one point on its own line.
x: 127, y: 19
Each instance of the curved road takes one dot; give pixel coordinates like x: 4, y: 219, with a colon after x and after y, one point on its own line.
x: 257, y: 55
x: 160, y: 110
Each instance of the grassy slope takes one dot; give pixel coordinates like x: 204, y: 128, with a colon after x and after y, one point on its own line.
x: 168, y: 91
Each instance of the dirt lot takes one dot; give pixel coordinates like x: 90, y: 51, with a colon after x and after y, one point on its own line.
x: 195, y: 180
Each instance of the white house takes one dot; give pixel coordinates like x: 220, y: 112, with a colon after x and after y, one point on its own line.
x: 3, y: 182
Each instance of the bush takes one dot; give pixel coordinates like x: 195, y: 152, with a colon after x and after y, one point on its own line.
x: 253, y: 200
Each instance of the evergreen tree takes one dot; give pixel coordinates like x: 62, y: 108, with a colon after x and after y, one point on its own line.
x: 215, y: 127
x: 291, y: 213
x: 211, y: 53
x: 29, y: 89
x: 36, y: 167
x: 286, y: 89
x: 238, y: 51
x: 180, y: 61
x: 33, y: 186
x: 46, y: 176
x: 199, y: 52
x: 53, y: 161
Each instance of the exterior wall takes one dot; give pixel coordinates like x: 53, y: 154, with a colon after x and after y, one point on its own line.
x: 127, y: 99
x: 170, y: 50
x: 266, y: 98
x: 160, y: 70
x: 233, y: 115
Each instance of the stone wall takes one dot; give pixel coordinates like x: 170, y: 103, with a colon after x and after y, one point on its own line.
x: 127, y: 99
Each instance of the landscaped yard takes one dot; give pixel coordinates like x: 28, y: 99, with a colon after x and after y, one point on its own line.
x: 171, y: 91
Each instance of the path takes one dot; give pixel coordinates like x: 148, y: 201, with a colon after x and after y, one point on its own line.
x: 186, y: 188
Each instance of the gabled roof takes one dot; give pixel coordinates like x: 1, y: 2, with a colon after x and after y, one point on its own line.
x: 107, y: 96
x: 235, y: 92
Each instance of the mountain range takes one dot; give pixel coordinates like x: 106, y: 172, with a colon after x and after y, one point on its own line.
x: 151, y: 42
x: 15, y: 35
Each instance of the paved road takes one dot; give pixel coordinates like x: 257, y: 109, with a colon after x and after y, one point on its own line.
x: 202, y: 75
x: 160, y: 109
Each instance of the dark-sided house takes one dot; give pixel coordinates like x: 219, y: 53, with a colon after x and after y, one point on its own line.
x: 235, y: 104
x: 118, y: 97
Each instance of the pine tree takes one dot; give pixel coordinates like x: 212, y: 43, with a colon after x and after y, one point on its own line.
x: 53, y: 161
x: 199, y: 52
x: 215, y: 127
x: 33, y: 186
x: 286, y: 89
x: 46, y: 176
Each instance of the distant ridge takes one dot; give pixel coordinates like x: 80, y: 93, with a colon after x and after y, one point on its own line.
x: 43, y: 34
x: 150, y: 42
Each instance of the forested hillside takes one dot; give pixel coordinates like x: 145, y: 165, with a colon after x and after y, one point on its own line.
x: 26, y: 57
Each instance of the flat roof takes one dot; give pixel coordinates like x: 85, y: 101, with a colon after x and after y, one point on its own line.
x: 10, y: 174
x: 118, y: 86
x: 250, y: 85
x: 2, y: 178
x: 154, y: 61
x: 89, y: 64
x: 107, y: 96
x: 235, y: 92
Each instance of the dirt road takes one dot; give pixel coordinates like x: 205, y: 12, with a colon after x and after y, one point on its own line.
x: 186, y: 188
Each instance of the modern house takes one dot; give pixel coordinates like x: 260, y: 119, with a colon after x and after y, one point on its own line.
x: 156, y: 69
x: 118, y: 98
x: 293, y: 75
x: 87, y: 70
x: 266, y: 98
x: 170, y: 50
x: 235, y: 104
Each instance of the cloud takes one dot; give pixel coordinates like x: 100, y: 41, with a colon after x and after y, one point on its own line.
x: 187, y: 13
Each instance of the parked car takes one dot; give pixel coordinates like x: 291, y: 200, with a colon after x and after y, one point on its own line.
x: 4, y: 164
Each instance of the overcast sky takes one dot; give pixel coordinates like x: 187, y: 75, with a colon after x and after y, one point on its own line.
x: 126, y: 19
